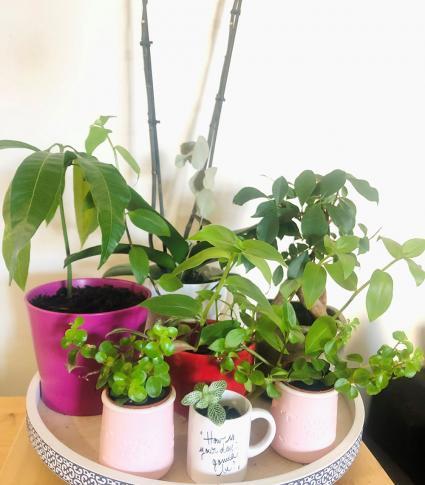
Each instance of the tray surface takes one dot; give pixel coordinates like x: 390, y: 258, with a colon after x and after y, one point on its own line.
x: 69, y: 446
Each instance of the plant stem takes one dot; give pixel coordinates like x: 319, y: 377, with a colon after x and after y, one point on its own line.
x: 360, y: 289
x: 217, y: 290
x: 152, y: 121
x: 258, y: 356
x: 114, y: 152
x: 219, y: 99
x: 67, y: 249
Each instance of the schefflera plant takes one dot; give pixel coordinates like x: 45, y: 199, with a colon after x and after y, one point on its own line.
x: 228, y: 334
x: 102, y: 199
x: 132, y: 367
x: 321, y: 359
x: 208, y: 397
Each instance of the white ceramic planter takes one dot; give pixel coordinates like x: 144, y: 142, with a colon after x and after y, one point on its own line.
x: 139, y: 439
x: 306, y: 423
x: 219, y: 454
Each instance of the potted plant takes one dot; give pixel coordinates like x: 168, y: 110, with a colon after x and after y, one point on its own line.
x: 214, y: 347
x: 137, y: 430
x: 102, y: 199
x: 219, y: 429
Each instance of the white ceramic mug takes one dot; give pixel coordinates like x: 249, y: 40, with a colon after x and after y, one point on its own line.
x: 219, y: 454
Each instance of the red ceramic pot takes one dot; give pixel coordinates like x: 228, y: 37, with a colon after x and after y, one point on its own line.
x: 189, y: 368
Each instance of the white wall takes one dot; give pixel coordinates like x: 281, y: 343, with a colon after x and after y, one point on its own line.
x: 320, y: 85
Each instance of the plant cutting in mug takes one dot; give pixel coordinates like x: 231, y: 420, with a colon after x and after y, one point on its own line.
x: 132, y: 368
x: 316, y: 213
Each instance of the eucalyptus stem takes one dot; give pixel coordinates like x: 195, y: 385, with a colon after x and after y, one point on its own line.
x: 219, y: 99
x: 152, y: 121
x: 67, y: 249
x: 360, y: 289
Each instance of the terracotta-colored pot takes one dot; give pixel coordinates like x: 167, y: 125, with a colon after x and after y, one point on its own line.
x: 74, y: 393
x: 189, y: 368
x: 138, y: 439
x: 306, y: 423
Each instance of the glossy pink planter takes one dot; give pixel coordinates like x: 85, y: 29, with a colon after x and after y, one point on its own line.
x: 138, y: 439
x: 305, y: 423
x: 71, y: 393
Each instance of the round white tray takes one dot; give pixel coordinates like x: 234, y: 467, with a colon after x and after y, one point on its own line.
x: 69, y: 445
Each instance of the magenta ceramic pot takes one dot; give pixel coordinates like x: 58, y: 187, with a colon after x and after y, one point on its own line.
x: 74, y: 393
x: 306, y: 423
x: 138, y: 439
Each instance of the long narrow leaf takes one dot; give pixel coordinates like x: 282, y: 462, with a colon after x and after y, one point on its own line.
x: 85, y: 211
x: 16, y: 144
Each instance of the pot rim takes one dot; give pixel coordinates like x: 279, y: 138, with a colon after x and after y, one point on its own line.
x: 146, y: 292
x: 230, y: 395
x: 304, y: 392
x: 142, y: 409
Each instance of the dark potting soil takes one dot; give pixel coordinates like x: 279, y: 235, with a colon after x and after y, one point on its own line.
x: 231, y: 413
x: 316, y: 386
x: 89, y: 299
x: 149, y: 401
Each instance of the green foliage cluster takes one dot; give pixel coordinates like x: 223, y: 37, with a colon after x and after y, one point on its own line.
x: 208, y: 397
x: 132, y: 367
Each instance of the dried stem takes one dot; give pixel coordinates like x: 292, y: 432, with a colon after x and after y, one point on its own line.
x: 219, y: 99
x: 152, y: 121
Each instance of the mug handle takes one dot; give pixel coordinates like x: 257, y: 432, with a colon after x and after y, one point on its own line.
x: 258, y: 413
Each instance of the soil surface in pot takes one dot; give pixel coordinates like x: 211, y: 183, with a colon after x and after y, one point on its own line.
x: 231, y: 413
x: 315, y: 387
x: 149, y: 401
x: 89, y: 299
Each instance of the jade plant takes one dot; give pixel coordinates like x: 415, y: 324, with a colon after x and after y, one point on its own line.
x: 133, y: 368
x: 227, y: 335
x: 102, y: 199
x: 207, y: 398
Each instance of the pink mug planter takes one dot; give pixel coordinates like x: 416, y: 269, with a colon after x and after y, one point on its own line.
x: 138, y: 439
x: 219, y: 454
x: 306, y: 423
x: 74, y: 393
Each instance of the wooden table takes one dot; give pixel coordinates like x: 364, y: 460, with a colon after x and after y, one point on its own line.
x: 20, y: 464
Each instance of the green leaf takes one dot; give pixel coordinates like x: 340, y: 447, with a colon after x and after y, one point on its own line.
x: 17, y: 144
x: 214, y: 331
x: 392, y: 247
x: 413, y: 248
x: 267, y: 331
x: 191, y: 398
x: 261, y: 249
x: 266, y: 208
x: 200, y: 153
x: 296, y: 266
x: 118, y: 270
x: 355, y: 358
x: 343, y: 215
x: 280, y: 189
x: 128, y: 157
x: 154, y: 386
x: 247, y: 288
x: 261, y: 265
x: 379, y: 294
x: 313, y: 283
x: 235, y: 338
x: 304, y: 185
x: 272, y: 391
x: 200, y: 258
x: 111, y: 196
x: 332, y: 182
x: 364, y: 188
x: 139, y: 262
x: 218, y: 387
x: 348, y: 262
x: 346, y: 244
x: 323, y: 329
x: 268, y: 228
x: 289, y: 287
x: 342, y: 385
x: 179, y: 306
x: 169, y: 282
x: 314, y: 222
x: 218, y: 236
x: 416, y: 271
x: 277, y: 275
x: 150, y: 222
x: 85, y: 211
x: 137, y: 391
x: 216, y: 414
x: 97, y: 135
x: 361, y: 377
x: 246, y: 194
x: 336, y: 272
x: 289, y: 314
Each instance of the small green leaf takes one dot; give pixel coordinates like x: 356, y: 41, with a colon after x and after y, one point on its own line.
x: 97, y: 135
x: 268, y: 228
x: 313, y: 283
x: 261, y: 265
x: 280, y: 189
x: 355, y: 358
x: 346, y: 244
x: 336, y: 272
x: 246, y: 194
x: 261, y: 249
x: 170, y: 282
x: 277, y: 275
x: 332, y: 182
x: 128, y: 157
x: 364, y: 188
x: 136, y: 391
x: 413, y: 248
x: 343, y: 215
x: 178, y: 306
x: 200, y: 258
x: 342, y: 385
x: 348, y: 263
x: 4, y: 144
x: 392, y: 247
x: 314, y: 222
x: 296, y: 266
x: 379, y: 294
x: 217, y: 414
x: 192, y: 398
x: 215, y: 331
x: 200, y: 153
x: 153, y: 386
x: 304, y: 185
x: 272, y: 391
x: 235, y: 338
x: 139, y: 262
x: 323, y: 329
x: 218, y: 236
x: 416, y: 271
x: 149, y: 221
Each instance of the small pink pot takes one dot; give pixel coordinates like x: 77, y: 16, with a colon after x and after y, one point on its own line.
x: 73, y: 393
x: 305, y: 423
x: 138, y: 439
